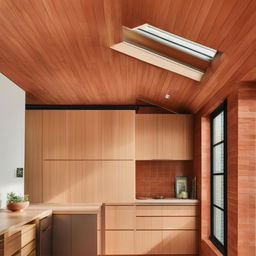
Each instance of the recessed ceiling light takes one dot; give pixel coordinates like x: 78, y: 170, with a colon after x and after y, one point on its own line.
x: 167, y: 96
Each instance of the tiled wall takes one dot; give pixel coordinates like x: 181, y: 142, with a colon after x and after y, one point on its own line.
x: 154, y: 178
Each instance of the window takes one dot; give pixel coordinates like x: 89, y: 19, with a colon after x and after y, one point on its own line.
x: 219, y: 178
x: 178, y: 42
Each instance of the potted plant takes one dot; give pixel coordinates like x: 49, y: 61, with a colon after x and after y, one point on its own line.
x: 16, y: 202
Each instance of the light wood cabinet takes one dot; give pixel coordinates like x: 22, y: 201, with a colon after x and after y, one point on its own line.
x: 33, y: 156
x: 118, y: 134
x: 88, y: 134
x: 164, y: 137
x: 120, y: 217
x: 119, y: 242
x: 88, y: 181
x: 149, y: 242
x: 20, y: 241
x: 150, y: 229
x: 180, y: 242
x: 166, y: 229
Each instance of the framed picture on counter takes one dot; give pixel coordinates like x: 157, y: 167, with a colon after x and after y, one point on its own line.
x: 181, y: 187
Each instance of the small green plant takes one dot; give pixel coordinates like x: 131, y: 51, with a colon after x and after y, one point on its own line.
x: 14, y: 198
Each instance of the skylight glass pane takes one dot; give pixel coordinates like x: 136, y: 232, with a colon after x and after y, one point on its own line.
x: 218, y: 229
x: 218, y: 158
x: 218, y: 190
x: 177, y: 42
x: 218, y: 128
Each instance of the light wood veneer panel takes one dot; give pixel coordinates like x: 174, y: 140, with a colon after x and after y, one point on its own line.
x: 89, y: 134
x: 150, y: 223
x: 180, y: 242
x: 119, y: 242
x: 149, y: 242
x: 118, y: 134
x: 54, y: 134
x: 164, y: 137
x: 120, y: 217
x: 12, y: 243
x: 33, y: 155
x: 88, y: 181
x: 146, y: 136
x: 83, y: 134
x: 166, y: 210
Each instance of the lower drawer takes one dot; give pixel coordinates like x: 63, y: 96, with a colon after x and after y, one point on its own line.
x: 28, y: 234
x: 149, y: 223
x: 12, y: 244
x: 173, y: 242
x: 119, y: 242
x: 28, y: 249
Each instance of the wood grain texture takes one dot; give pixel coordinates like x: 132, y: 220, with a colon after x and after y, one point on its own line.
x: 88, y: 181
x: 63, y: 55
x: 119, y: 242
x: 88, y: 134
x: 12, y: 243
x: 164, y: 137
x: 33, y: 155
x: 120, y: 217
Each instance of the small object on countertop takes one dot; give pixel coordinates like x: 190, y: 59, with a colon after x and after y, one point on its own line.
x: 16, y: 202
x: 193, y: 190
x: 181, y: 185
x: 159, y: 197
x: 184, y: 195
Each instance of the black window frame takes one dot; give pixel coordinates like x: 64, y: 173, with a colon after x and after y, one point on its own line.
x: 222, y: 247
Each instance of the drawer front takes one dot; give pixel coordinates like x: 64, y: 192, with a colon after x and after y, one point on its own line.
x: 180, y: 223
x: 166, y: 210
x: 26, y: 250
x: 28, y: 234
x: 33, y: 253
x: 119, y: 242
x: 179, y: 210
x: 148, y: 210
x: 180, y: 242
x: 12, y: 244
x: 120, y: 217
x: 151, y: 223
x: 149, y: 242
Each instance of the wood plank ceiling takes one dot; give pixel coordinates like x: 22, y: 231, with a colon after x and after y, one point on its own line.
x: 58, y: 50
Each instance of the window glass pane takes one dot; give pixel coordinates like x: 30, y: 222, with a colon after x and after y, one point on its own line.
x: 218, y: 190
x: 218, y: 128
x: 218, y: 227
x: 218, y: 158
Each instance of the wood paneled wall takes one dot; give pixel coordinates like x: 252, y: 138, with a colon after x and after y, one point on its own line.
x: 241, y: 173
x: 80, y: 156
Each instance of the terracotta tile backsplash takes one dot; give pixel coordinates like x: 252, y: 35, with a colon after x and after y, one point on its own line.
x: 155, y: 178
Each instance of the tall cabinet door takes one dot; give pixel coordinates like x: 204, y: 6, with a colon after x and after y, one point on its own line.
x: 84, y: 235
x: 62, y: 235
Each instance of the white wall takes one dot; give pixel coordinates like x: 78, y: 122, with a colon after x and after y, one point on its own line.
x: 12, y: 134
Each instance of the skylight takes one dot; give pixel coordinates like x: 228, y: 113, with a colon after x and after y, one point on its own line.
x: 177, y: 42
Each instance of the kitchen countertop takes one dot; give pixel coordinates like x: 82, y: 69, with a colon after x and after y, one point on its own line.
x: 12, y: 220
x: 167, y: 201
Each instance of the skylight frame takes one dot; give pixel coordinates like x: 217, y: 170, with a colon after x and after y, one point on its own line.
x: 180, y: 43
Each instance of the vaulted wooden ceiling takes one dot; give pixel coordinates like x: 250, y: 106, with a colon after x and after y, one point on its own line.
x: 58, y: 50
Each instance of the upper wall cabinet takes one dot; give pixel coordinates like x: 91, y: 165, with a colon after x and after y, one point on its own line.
x: 91, y: 134
x: 164, y: 136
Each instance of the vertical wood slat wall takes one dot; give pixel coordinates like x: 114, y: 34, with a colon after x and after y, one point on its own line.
x: 68, y: 160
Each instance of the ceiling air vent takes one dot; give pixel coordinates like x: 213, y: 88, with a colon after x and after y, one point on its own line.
x: 166, y: 50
